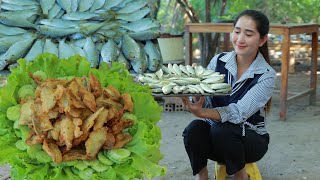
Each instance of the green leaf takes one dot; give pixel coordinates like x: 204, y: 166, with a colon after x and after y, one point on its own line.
x: 146, y: 141
x: 75, y: 66
x: 144, y: 104
x: 149, y: 169
x: 8, y: 96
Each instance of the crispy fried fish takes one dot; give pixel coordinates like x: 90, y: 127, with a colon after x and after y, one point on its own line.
x: 74, y: 119
x: 121, y: 140
x: 75, y: 154
x: 101, y: 120
x: 95, y: 142
x: 121, y: 125
x: 88, y: 99
x: 127, y: 102
x: 48, y: 98
x: 26, y: 113
x: 53, y: 151
x: 89, y: 122
x: 111, y: 92
x: 96, y: 88
x: 109, y: 143
x: 67, y: 131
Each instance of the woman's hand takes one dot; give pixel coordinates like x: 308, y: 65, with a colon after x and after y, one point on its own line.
x: 194, y: 108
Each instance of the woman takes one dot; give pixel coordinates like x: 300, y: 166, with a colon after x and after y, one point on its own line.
x: 232, y: 129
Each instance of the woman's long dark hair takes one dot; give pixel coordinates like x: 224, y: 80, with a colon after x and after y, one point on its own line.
x: 262, y: 23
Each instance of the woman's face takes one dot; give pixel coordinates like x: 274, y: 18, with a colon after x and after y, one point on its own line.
x: 245, y: 37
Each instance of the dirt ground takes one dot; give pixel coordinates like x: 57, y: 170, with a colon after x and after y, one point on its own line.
x: 294, y: 145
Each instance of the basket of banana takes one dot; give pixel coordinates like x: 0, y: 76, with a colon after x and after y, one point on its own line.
x: 185, y: 80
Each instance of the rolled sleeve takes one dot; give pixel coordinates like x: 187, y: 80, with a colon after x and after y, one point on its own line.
x: 231, y: 113
x: 224, y: 113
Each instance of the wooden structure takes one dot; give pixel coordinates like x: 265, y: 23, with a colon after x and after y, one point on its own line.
x: 281, y: 29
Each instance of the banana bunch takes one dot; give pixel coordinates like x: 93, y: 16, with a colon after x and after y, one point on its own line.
x: 181, y: 79
x: 100, y: 30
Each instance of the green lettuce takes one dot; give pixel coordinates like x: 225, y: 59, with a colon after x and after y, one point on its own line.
x: 26, y: 91
x: 31, y: 162
x: 13, y: 112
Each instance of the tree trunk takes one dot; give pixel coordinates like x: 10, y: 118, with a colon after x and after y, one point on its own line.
x: 207, y: 45
x: 154, y: 8
x: 193, y: 18
x: 216, y: 37
x: 207, y: 48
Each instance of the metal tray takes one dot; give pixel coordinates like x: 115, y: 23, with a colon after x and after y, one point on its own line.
x: 189, y: 94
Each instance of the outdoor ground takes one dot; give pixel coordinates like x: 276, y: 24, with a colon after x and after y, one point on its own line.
x: 294, y: 145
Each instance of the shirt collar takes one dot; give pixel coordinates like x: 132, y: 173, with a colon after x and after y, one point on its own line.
x: 258, y: 66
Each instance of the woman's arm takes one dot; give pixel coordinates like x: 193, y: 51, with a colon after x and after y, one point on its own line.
x: 255, y: 99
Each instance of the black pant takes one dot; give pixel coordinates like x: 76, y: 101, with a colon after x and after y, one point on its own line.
x: 224, y: 143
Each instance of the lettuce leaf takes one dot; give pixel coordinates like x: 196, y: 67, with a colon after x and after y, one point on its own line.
x: 146, y: 141
x: 31, y: 162
x: 146, y: 108
x: 149, y: 169
x: 8, y: 96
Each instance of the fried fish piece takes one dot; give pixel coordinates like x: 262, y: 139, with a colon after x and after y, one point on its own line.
x: 67, y: 131
x: 101, y: 120
x: 75, y: 154
x: 74, y: 112
x: 59, y: 91
x: 48, y: 99
x: 86, y: 113
x: 88, y: 99
x: 64, y: 103
x: 74, y: 90
x: 109, y: 143
x: 103, y: 102
x: 53, y: 83
x: 27, y: 113
x: 111, y: 92
x: 37, y: 92
x: 121, y: 140
x: 33, y: 138
x: 77, y: 123
x: 96, y: 88
x: 95, y: 141
x: 121, y: 125
x: 53, y: 151
x: 80, y: 139
x: 76, y: 102
x: 127, y: 102
x: 53, y: 114
x: 55, y: 132
x: 40, y: 121
x: 41, y: 124
x: 89, y: 122
x: 114, y: 116
x: 84, y: 82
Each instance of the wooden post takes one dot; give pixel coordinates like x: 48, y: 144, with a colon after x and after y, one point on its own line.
x: 284, y: 74
x: 226, y: 39
x: 189, y: 53
x: 314, y: 66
